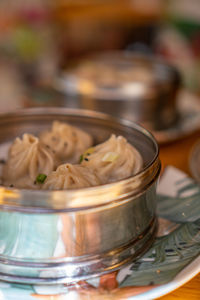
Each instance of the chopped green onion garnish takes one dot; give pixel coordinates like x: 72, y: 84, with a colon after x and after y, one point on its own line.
x: 89, y: 151
x: 86, y: 153
x: 41, y: 178
x: 110, y: 156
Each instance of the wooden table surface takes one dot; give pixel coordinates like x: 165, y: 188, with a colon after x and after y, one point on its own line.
x: 177, y: 154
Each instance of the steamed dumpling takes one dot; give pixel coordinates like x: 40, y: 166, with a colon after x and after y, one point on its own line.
x: 68, y: 176
x: 27, y: 158
x: 67, y: 141
x: 113, y: 160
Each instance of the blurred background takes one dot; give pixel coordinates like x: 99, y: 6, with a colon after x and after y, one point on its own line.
x: 40, y: 39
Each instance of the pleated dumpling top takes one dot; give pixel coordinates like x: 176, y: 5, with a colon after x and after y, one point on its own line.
x: 27, y: 158
x: 68, y: 142
x: 68, y: 176
x: 113, y: 160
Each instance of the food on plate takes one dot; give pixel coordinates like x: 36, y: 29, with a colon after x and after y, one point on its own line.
x: 68, y: 176
x: 113, y: 160
x: 67, y: 141
x: 27, y: 158
x: 64, y: 158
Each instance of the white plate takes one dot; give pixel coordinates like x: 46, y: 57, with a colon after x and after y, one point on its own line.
x: 182, y: 278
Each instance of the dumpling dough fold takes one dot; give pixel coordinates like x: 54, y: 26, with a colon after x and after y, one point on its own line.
x: 67, y: 141
x: 68, y: 176
x: 27, y: 158
x: 113, y: 160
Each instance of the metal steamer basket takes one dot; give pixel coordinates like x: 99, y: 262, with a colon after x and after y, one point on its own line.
x: 66, y: 236
x: 137, y: 87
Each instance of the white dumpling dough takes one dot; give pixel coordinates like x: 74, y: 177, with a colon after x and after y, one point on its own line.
x: 113, y: 160
x: 27, y: 157
x: 68, y: 176
x: 67, y: 141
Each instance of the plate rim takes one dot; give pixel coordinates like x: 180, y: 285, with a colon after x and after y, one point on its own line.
x: 174, y: 133
x: 194, y: 154
x: 185, y: 275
